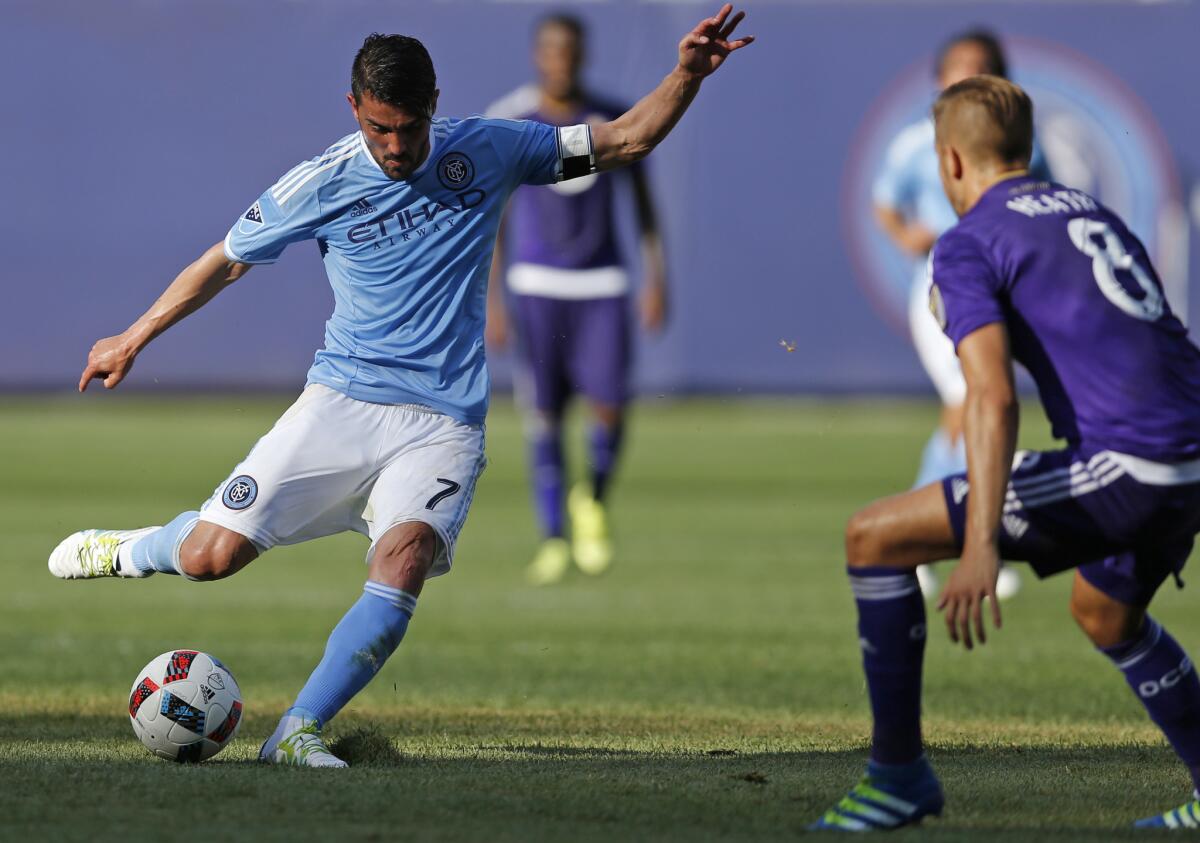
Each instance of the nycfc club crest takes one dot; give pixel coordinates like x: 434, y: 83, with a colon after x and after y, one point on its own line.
x: 455, y: 171
x: 241, y: 492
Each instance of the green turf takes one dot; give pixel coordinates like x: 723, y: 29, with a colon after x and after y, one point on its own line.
x: 709, y: 687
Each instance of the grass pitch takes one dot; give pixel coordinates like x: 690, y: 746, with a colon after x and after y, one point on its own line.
x: 708, y: 687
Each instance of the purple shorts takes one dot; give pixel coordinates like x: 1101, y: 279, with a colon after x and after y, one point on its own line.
x: 1071, y: 509
x: 571, y: 346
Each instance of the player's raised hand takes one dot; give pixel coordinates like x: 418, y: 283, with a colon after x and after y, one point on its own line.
x: 972, y: 580
x: 706, y: 47
x: 109, y: 361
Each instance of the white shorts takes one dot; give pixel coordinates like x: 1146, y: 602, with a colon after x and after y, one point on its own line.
x: 332, y: 463
x: 933, y: 346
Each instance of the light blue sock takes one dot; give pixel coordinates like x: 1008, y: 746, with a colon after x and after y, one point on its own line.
x: 357, y: 649
x: 941, y: 459
x: 159, y: 551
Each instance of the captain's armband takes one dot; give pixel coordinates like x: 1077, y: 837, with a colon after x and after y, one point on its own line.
x: 576, y: 155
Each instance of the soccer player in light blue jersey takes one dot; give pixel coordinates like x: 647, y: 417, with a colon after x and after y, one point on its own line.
x: 913, y: 211
x: 387, y: 437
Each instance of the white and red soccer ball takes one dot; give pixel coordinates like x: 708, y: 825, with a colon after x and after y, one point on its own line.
x: 185, y: 706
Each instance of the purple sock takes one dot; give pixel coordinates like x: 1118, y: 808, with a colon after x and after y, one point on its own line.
x: 548, y: 480
x: 1162, y: 676
x: 891, y: 632
x: 606, y: 444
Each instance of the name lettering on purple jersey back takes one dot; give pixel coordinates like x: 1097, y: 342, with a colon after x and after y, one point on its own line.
x: 1058, y: 202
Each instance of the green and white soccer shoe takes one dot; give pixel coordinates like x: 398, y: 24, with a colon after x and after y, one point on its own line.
x: 297, y: 743
x: 1184, y: 818
x: 92, y: 553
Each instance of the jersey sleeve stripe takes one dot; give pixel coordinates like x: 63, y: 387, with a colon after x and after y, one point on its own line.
x: 284, y: 196
x: 299, y: 170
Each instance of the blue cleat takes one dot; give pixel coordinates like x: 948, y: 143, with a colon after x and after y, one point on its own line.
x: 1185, y: 816
x: 888, y: 797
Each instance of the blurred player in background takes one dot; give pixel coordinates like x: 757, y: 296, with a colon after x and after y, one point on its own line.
x: 912, y: 210
x: 569, y: 294
x: 1120, y: 503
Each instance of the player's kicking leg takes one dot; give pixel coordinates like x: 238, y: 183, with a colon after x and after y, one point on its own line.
x: 884, y: 545
x: 358, y: 646
x: 1108, y: 601
x: 185, y: 546
x: 415, y: 510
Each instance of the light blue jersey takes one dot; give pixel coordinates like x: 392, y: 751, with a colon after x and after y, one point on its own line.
x: 909, y: 181
x: 409, y: 260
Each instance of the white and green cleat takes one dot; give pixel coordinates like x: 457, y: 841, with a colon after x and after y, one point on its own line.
x: 93, y: 553
x: 591, y: 544
x: 297, y: 743
x: 1185, y: 817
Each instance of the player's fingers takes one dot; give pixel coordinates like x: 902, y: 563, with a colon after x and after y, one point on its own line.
x: 744, y: 41
x: 950, y: 607
x: 963, y: 617
x: 718, y: 20
x: 728, y: 28
x: 995, y: 608
x: 89, y: 372
x: 977, y: 617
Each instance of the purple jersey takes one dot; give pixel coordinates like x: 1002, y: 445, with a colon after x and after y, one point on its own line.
x: 570, y: 225
x: 1086, y: 315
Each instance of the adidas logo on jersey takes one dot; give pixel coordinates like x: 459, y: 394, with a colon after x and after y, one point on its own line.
x: 362, y: 206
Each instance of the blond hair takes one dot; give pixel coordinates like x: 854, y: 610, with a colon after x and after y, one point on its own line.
x: 986, y: 117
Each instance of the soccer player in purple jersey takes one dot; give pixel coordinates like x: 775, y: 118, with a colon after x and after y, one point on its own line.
x: 1047, y: 276
x: 569, y: 295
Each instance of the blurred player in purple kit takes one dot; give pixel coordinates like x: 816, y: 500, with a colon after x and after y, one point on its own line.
x: 569, y: 295
x: 1047, y: 276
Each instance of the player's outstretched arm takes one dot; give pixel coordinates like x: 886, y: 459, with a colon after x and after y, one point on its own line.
x: 990, y: 430
x: 112, y: 357
x: 632, y: 135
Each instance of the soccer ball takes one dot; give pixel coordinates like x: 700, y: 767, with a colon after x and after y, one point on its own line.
x: 185, y: 705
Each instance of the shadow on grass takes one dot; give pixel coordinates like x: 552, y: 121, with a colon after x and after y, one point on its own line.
x: 542, y: 788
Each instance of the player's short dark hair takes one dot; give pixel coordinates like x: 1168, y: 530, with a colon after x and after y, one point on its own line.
x: 397, y: 70
x: 1002, y: 124
x: 986, y: 40
x: 566, y: 20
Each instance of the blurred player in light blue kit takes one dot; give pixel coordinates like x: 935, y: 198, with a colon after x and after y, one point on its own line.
x: 569, y: 294
x: 913, y: 211
x: 387, y: 437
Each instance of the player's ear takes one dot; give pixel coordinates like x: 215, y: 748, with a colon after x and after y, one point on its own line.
x: 433, y: 102
x: 353, y: 105
x: 956, y: 164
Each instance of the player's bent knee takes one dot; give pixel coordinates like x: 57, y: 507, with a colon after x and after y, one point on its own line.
x: 864, y: 545
x: 213, y: 554
x: 404, y: 555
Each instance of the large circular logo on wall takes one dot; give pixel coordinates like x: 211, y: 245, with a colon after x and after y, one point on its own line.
x: 456, y: 171
x: 1097, y: 136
